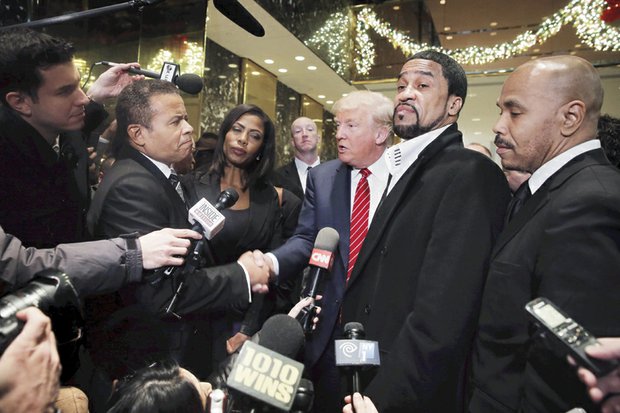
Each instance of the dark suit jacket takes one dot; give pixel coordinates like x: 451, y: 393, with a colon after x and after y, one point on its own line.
x: 136, y: 196
x: 564, y: 244
x: 417, y: 283
x: 288, y: 178
x: 44, y: 198
x: 326, y: 204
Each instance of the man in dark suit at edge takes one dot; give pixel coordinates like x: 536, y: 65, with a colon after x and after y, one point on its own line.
x: 137, y: 195
x: 305, y: 139
x: 563, y: 243
x: 417, y: 284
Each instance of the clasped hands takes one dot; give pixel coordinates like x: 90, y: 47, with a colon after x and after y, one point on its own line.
x: 260, y: 270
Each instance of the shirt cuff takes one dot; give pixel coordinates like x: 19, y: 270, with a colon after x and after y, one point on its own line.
x: 276, y: 264
x: 247, y: 279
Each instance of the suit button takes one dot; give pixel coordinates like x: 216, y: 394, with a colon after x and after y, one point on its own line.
x: 383, y: 250
x: 337, y: 301
x: 367, y: 309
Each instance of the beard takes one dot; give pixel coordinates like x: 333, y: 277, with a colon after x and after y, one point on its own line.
x: 415, y: 129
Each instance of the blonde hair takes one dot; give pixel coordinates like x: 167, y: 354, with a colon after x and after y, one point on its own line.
x: 379, y: 106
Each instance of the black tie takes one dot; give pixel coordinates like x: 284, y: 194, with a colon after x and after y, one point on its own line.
x: 174, y: 181
x: 519, y: 198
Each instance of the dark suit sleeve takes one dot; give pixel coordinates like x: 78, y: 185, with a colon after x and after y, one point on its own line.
x: 293, y: 255
x: 431, y: 346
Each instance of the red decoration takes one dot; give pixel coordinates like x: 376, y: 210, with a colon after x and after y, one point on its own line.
x: 611, y: 12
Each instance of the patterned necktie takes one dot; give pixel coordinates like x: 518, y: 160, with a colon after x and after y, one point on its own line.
x: 520, y: 197
x: 359, y: 219
x: 174, y: 181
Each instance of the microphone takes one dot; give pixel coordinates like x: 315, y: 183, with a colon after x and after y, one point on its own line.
x: 354, y: 353
x: 188, y: 82
x: 321, y: 262
x: 264, y: 369
x: 207, y: 219
x: 235, y: 12
x: 304, y: 398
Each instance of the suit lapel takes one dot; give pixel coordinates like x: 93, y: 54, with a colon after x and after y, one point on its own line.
x: 390, y: 204
x: 544, y: 193
x: 129, y: 152
x: 341, y: 208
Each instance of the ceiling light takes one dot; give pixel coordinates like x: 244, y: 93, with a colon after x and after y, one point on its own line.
x: 233, y: 65
x: 472, y: 95
x: 493, y: 33
x: 300, y: 58
x: 449, y: 37
x: 268, y: 61
x: 447, y: 28
x: 396, y: 8
x: 329, y: 102
x: 477, y: 133
x: 442, y: 2
x: 493, y: 24
x: 311, y: 67
x: 345, y: 94
x: 502, y: 71
x: 207, y: 69
x: 255, y: 73
x: 475, y: 120
x: 321, y: 96
x: 292, y: 98
x: 306, y: 103
x: 282, y: 70
x: 221, y: 77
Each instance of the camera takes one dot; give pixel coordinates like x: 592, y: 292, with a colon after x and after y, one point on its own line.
x: 51, y: 292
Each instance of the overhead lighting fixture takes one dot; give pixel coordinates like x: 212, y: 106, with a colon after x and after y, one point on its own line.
x: 493, y: 33
x: 345, y: 94
x: 222, y: 77
x: 442, y: 2
x: 306, y: 103
x: 268, y: 61
x: 493, y: 24
x: 311, y: 67
x: 329, y: 102
x: 472, y: 95
x: 449, y: 37
x: 300, y: 58
x: 321, y: 96
x: 475, y: 120
x: 292, y: 98
x: 396, y: 8
x: 447, y: 28
x: 255, y: 73
x: 233, y: 65
x: 282, y: 70
x: 477, y: 133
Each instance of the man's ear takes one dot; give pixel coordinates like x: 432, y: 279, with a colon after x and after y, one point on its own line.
x: 454, y: 105
x: 573, y: 115
x: 20, y: 103
x: 382, y: 134
x: 136, y: 134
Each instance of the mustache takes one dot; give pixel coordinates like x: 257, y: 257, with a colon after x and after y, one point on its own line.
x: 406, y: 104
x: 501, y: 142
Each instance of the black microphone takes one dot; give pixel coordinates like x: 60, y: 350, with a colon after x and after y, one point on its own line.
x: 304, y: 398
x: 321, y: 262
x: 208, y: 220
x: 266, y: 357
x: 235, y: 12
x: 354, y: 352
x: 188, y: 82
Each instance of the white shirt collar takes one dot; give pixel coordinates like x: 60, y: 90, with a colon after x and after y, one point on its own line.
x: 303, y: 167
x: 165, y: 169
x: 540, y: 176
x: 401, y: 156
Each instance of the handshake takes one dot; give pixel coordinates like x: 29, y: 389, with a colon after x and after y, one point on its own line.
x: 259, y: 268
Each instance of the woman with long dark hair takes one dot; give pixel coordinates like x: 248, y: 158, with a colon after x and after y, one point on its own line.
x: 263, y: 217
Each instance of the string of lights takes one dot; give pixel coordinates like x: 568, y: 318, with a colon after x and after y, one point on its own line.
x: 585, y: 16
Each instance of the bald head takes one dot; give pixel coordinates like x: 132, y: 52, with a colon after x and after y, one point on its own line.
x: 568, y: 78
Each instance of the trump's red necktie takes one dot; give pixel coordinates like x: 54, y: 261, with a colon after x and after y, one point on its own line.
x: 359, y: 219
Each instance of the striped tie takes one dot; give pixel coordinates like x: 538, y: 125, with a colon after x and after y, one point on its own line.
x: 359, y: 219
